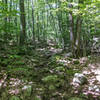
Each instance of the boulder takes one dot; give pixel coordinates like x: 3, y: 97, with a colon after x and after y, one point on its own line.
x: 79, y: 79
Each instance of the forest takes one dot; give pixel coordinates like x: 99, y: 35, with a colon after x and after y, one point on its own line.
x: 49, y: 49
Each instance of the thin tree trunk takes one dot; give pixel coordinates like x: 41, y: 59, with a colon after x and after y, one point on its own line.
x: 71, y: 27
x: 33, y: 31
x: 78, y: 48
x: 6, y: 19
x: 23, y: 22
x: 78, y: 32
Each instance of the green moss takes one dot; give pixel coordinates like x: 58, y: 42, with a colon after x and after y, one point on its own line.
x: 62, y: 69
x: 14, y: 98
x: 50, y: 79
x: 14, y: 57
x: 52, y: 87
x: 76, y: 62
x: 18, y: 63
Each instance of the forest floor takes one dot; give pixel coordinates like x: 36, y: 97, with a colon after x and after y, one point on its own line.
x: 47, y: 74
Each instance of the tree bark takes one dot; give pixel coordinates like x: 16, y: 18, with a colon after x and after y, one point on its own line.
x: 33, y: 21
x: 78, y: 33
x: 71, y: 27
x: 23, y: 22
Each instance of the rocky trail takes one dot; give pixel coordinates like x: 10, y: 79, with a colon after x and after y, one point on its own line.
x: 47, y: 74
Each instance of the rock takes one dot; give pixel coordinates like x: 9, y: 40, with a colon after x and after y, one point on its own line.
x: 79, y: 79
x: 96, y: 45
x: 94, y: 88
x: 14, y: 98
x: 98, y: 77
x: 75, y: 98
x: 68, y: 54
x: 83, y: 60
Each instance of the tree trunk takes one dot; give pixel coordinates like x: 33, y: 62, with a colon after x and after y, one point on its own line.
x: 71, y: 27
x: 23, y: 22
x: 77, y: 43
x: 79, y: 51
x: 6, y: 19
x: 33, y: 21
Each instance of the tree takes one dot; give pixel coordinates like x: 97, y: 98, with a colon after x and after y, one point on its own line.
x: 23, y: 22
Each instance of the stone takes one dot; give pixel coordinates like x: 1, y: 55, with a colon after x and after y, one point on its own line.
x: 94, y: 88
x: 68, y: 54
x: 96, y: 45
x: 79, y: 79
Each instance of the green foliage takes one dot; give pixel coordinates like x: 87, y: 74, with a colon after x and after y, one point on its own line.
x: 36, y: 98
x: 60, y: 69
x: 71, y: 72
x: 18, y: 63
x: 24, y: 72
x: 14, y: 98
x: 27, y: 92
x: 50, y: 79
x: 52, y: 87
x: 75, y: 98
x: 76, y: 62
x: 17, y: 57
